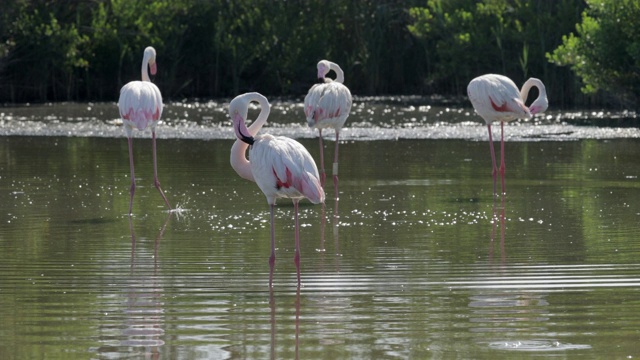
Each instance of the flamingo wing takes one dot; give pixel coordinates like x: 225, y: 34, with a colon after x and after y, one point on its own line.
x: 496, y: 98
x: 328, y: 105
x: 140, y: 104
x: 311, y: 102
x: 282, y: 167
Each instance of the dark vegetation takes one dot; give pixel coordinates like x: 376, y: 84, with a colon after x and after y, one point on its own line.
x: 71, y: 50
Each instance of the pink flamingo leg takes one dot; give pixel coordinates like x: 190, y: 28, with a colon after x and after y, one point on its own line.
x: 502, y: 167
x: 133, y: 177
x: 296, y: 259
x: 156, y: 182
x: 272, y: 258
x: 493, y: 159
x: 335, y: 165
x: 323, y: 176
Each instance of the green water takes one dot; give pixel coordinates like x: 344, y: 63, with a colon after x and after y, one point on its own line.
x: 415, y: 260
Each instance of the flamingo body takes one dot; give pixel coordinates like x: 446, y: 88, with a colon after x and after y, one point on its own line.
x: 283, y: 168
x: 497, y: 98
x: 327, y: 105
x: 140, y: 106
x: 280, y: 166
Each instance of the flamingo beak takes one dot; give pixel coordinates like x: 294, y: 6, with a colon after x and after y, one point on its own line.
x: 154, y: 68
x: 241, y: 130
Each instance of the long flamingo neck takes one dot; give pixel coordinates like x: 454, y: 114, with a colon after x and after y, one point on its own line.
x: 524, y: 92
x: 265, y: 109
x: 145, y: 68
x: 541, y: 103
x: 339, y: 73
x: 238, y: 159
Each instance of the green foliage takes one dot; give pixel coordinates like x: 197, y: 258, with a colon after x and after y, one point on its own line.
x: 77, y: 50
x: 51, y: 49
x: 445, y: 28
x: 604, y: 51
x: 242, y: 32
x: 464, y: 39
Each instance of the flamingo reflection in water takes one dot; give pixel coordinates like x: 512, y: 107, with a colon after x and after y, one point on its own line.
x: 500, y: 299
x: 145, y: 308
x: 498, y: 219
x: 274, y: 335
x: 335, y: 227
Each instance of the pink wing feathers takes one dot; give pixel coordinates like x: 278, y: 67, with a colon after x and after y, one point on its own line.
x: 327, y: 105
x: 283, y: 168
x: 140, y: 104
x: 496, y: 98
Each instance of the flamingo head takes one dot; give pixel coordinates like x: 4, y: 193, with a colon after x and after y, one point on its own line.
x: 239, y: 107
x: 540, y: 105
x: 323, y: 69
x: 238, y: 111
x: 150, y: 55
x: 523, y: 111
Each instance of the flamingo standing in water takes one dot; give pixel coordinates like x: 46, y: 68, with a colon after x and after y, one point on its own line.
x: 496, y: 98
x: 327, y: 105
x: 140, y: 107
x: 281, y: 167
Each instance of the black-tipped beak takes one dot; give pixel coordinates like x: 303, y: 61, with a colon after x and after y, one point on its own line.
x: 247, y: 139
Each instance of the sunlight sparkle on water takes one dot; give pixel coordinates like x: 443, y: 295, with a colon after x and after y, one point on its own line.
x: 416, y: 259
x: 372, y: 118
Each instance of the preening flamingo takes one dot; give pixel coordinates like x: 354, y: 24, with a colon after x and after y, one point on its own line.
x: 496, y: 98
x: 281, y: 167
x: 140, y: 107
x: 327, y: 105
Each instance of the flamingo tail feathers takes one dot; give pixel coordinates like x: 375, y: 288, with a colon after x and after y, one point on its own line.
x: 311, y: 188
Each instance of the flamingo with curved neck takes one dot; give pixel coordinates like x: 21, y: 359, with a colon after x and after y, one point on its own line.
x: 497, y: 98
x: 327, y: 105
x: 280, y: 166
x: 541, y: 103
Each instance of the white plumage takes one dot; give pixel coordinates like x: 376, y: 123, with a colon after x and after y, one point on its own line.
x: 283, y: 168
x: 280, y: 166
x: 327, y: 105
x: 497, y: 98
x: 140, y: 106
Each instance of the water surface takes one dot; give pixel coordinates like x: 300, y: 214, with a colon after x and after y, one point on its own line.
x: 371, y: 119
x: 416, y: 259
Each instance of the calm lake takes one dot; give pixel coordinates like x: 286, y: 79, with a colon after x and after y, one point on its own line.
x: 413, y: 258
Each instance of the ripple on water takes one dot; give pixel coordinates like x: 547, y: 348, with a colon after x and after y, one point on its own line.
x: 536, y: 345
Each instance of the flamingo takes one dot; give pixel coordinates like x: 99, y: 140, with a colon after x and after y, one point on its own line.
x: 327, y: 105
x: 496, y: 98
x: 281, y: 166
x: 140, y: 107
